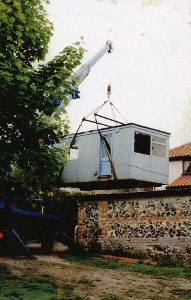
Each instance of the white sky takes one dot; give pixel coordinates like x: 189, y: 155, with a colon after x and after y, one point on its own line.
x: 150, y: 67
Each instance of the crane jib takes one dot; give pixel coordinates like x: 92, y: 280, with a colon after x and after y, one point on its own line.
x: 84, y: 70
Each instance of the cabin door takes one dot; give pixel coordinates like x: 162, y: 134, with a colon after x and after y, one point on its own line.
x: 105, y: 156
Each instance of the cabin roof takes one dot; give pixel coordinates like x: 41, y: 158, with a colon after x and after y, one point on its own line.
x: 122, y: 126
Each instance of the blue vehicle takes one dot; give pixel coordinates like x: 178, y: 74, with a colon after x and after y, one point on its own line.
x: 17, y: 227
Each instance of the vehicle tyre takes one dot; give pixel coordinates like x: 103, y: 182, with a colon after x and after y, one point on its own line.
x: 3, y: 248
x: 47, y: 244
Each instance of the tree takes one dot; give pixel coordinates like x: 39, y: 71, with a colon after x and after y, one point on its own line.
x: 30, y: 121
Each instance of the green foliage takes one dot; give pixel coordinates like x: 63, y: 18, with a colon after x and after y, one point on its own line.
x: 27, y: 182
x: 31, y: 124
x: 66, y: 202
x: 24, y: 24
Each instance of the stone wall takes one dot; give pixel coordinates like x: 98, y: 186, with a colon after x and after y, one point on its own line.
x: 155, y: 223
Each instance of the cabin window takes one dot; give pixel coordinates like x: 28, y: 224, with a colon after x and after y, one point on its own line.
x: 142, y: 143
x: 158, y: 147
x: 150, y: 145
x: 72, y: 151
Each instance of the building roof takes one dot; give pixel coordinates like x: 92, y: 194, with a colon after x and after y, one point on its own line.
x: 182, y: 151
x: 183, y: 181
x: 109, y: 127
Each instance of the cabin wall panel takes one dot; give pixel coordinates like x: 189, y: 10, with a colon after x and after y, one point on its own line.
x: 121, y: 152
x: 70, y: 171
x: 153, y: 168
x: 88, y: 158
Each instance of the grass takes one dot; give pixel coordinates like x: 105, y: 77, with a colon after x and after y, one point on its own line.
x: 177, y: 270
x: 42, y: 287
x: 184, y: 294
x: 86, y: 282
x: 27, y: 288
x: 68, y: 289
x: 105, y: 297
x: 5, y: 273
x: 45, y: 287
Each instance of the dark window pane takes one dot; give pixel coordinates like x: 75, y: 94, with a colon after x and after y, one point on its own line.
x: 142, y: 143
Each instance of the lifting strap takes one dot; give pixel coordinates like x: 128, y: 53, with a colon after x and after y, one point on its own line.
x: 108, y: 150
x: 85, y: 119
x: 74, y: 138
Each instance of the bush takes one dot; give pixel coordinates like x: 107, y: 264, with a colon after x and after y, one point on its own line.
x: 170, y: 262
x: 187, y: 271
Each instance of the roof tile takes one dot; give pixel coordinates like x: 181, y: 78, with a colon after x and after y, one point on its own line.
x: 181, y: 151
x: 182, y: 181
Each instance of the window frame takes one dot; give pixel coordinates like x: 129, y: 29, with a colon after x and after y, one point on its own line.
x: 152, y: 136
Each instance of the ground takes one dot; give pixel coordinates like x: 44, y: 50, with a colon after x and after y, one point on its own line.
x: 93, y: 283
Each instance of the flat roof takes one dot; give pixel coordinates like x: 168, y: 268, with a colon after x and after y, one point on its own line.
x: 120, y: 126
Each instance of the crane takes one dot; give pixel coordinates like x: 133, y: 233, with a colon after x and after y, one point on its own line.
x: 84, y: 70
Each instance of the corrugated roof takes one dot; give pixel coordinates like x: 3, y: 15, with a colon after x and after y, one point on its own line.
x: 181, y: 151
x: 134, y: 195
x: 180, y: 182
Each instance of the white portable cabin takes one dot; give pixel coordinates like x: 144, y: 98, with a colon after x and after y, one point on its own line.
x: 124, y: 156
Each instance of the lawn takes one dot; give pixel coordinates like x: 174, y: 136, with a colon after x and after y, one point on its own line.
x: 82, y: 277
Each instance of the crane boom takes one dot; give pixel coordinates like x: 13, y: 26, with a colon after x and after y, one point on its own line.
x: 84, y: 70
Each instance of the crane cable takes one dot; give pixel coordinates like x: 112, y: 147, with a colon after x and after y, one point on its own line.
x: 108, y: 100
x: 112, y: 105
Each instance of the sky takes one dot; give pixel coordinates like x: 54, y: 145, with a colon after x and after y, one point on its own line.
x: 149, y: 69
